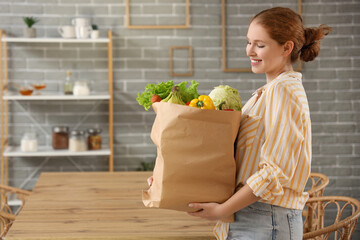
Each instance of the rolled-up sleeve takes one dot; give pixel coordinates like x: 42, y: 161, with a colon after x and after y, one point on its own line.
x: 283, y: 138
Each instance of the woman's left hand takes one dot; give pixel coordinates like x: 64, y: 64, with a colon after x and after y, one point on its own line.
x: 209, y: 211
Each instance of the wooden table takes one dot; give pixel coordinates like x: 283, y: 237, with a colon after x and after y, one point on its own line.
x: 100, y: 205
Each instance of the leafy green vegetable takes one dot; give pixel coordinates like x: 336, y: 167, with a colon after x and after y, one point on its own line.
x: 188, y: 94
x: 162, y: 89
x: 226, y: 97
x: 174, y: 96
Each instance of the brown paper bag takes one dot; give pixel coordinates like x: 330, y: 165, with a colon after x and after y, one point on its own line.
x: 195, y: 156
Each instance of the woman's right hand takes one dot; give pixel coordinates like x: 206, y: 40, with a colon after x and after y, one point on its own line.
x: 150, y: 181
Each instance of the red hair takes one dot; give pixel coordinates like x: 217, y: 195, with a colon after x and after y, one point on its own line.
x: 284, y: 24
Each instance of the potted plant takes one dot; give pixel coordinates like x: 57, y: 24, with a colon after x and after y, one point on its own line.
x: 95, y: 31
x: 30, y: 32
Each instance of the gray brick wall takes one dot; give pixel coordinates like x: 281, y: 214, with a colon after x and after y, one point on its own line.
x: 332, y: 81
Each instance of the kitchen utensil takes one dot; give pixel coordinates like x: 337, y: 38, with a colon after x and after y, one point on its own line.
x: 67, y: 31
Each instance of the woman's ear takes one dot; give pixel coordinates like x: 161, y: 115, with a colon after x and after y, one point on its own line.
x: 288, y: 47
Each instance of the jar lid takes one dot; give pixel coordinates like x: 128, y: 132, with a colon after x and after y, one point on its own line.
x: 94, y: 130
x: 77, y: 133
x: 60, y: 129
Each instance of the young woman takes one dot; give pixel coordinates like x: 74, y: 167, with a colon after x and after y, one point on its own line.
x: 273, y: 151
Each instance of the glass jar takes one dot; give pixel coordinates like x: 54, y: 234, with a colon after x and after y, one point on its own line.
x: 94, y: 139
x: 29, y: 142
x: 81, y: 88
x: 68, y: 84
x: 77, y: 141
x: 60, y: 137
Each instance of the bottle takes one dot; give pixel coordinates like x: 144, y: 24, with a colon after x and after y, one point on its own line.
x: 68, y: 84
x: 29, y: 142
x: 77, y: 141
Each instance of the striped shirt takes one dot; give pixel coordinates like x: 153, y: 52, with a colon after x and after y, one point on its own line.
x: 273, y: 148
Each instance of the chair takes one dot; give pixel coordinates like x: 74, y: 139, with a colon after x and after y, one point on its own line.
x: 7, y: 214
x: 6, y: 220
x: 342, y: 211
x: 318, y: 183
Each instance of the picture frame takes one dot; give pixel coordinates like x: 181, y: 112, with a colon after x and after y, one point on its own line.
x: 186, y: 25
x: 171, y: 53
x: 224, y: 43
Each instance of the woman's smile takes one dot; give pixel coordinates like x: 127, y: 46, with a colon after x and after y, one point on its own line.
x: 255, y: 62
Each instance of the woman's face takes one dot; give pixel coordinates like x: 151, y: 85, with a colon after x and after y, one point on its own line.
x: 266, y: 55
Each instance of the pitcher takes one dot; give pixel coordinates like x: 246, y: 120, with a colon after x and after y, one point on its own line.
x: 82, y: 27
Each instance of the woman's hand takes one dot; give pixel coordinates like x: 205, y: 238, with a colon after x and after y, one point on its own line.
x: 209, y: 211
x: 150, y: 181
x: 215, y: 211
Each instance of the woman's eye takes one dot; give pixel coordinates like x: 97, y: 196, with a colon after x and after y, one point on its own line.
x: 260, y: 46
x: 248, y: 43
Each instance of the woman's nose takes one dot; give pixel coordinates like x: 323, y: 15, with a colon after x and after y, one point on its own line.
x: 250, y: 51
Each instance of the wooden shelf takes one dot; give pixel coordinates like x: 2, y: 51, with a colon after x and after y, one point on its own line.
x: 49, y: 152
x: 56, y: 96
x: 7, y: 95
x: 54, y: 40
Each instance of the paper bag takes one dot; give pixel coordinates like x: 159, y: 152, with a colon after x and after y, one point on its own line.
x: 195, y: 156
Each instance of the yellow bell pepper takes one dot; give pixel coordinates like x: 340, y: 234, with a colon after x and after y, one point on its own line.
x: 203, y: 102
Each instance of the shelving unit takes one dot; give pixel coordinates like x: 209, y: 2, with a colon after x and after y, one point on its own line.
x: 47, y: 151
x: 55, y: 40
x: 5, y: 96
x: 55, y: 96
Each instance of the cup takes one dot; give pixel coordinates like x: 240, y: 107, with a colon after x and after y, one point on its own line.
x: 80, y: 22
x: 67, y: 31
x: 83, y: 31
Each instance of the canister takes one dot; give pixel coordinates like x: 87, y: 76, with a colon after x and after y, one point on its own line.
x: 60, y: 137
x: 77, y: 141
x: 94, y: 139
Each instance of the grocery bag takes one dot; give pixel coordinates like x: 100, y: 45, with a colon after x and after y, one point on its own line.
x: 195, y: 156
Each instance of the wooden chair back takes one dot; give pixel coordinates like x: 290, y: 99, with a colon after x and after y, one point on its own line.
x: 343, y: 211
x: 318, y: 183
x: 7, y: 213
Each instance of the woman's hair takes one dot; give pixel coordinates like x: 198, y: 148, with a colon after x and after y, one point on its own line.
x: 283, y: 24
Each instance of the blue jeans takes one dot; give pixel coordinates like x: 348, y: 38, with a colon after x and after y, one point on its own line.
x: 264, y: 221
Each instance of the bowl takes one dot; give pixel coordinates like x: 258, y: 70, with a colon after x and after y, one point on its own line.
x: 26, y: 91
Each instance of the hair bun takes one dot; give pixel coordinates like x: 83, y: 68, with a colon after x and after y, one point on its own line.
x: 311, y: 48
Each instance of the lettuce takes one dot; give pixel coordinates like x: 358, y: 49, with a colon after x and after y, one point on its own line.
x: 226, y: 97
x: 163, y: 89
x: 188, y: 94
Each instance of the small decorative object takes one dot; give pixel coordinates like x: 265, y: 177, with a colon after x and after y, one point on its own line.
x: 95, y: 31
x: 30, y: 32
